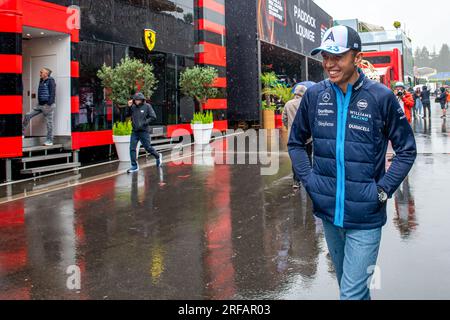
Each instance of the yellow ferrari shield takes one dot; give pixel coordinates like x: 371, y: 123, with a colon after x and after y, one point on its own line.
x: 149, y: 39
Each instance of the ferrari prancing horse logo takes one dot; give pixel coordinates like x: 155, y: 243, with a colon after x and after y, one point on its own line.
x: 149, y: 39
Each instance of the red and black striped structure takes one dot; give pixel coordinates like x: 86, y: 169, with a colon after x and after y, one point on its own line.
x: 210, y: 38
x: 11, y: 22
x: 14, y: 15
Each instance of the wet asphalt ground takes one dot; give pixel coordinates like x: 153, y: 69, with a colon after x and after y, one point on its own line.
x: 205, y: 231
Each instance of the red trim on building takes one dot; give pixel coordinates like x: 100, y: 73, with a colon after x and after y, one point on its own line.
x: 75, y: 36
x: 46, y: 15
x: 221, y: 125
x: 172, y: 128
x: 91, y: 139
x: 10, y: 22
x: 12, y: 5
x: 74, y: 69
x: 208, y: 58
x: 212, y: 5
x: 10, y: 104
x: 212, y: 54
x: 10, y: 147
x: 220, y: 83
x: 75, y: 104
x: 185, y: 128
x: 278, y: 121
x: 204, y: 24
x: 216, y: 104
x: 10, y: 63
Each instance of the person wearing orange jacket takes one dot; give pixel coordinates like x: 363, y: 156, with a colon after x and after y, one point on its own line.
x: 405, y: 99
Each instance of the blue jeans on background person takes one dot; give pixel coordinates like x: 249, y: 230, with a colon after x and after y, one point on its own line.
x: 419, y: 107
x: 144, y: 138
x: 48, y: 112
x: 353, y: 253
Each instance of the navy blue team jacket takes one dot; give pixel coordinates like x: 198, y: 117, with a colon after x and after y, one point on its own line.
x: 350, y: 136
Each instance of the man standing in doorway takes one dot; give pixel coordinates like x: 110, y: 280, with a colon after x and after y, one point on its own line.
x: 351, y: 119
x: 46, y: 104
x: 142, y: 114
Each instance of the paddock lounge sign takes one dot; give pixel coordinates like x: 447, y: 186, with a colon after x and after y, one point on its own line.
x: 294, y: 24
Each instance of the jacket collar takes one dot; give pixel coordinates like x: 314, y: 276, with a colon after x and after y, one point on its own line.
x: 360, y: 82
x: 357, y: 85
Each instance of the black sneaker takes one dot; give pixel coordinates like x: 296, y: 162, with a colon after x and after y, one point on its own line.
x: 296, y: 185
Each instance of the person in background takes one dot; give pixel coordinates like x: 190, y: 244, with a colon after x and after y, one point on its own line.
x: 426, y: 102
x: 46, y: 104
x: 405, y: 99
x: 142, y: 114
x: 418, y: 106
x: 288, y: 116
x: 443, y: 95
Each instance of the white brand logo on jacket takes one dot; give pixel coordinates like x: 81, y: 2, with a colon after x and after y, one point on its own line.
x: 358, y: 127
x: 326, y: 97
x: 325, y: 124
x: 362, y: 105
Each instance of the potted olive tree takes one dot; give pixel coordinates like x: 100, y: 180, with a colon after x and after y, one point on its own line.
x: 197, y: 82
x: 122, y: 81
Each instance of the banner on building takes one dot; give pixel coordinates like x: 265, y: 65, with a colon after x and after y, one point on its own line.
x: 297, y: 25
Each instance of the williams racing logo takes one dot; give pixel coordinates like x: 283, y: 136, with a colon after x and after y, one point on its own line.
x: 362, y: 105
x: 149, y: 39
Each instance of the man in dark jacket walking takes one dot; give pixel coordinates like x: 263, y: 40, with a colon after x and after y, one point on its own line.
x: 351, y: 119
x: 142, y: 114
x: 46, y: 104
x: 425, y: 96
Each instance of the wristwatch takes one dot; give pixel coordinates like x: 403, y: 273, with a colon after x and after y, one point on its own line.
x: 382, y: 195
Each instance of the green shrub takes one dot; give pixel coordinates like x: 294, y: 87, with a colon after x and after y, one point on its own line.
x: 271, y: 107
x: 283, y: 93
x: 122, y: 128
x: 125, y: 78
x: 197, y: 82
x: 203, y: 118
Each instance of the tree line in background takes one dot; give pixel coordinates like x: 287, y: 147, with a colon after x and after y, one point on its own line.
x: 439, y: 61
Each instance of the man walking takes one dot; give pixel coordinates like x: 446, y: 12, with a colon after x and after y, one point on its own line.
x: 46, y: 104
x: 142, y: 114
x: 288, y: 116
x: 351, y: 119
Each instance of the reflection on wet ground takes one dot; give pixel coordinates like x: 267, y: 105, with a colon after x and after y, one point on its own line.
x: 202, y: 231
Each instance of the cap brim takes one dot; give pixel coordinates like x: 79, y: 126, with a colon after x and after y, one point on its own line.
x: 330, y: 49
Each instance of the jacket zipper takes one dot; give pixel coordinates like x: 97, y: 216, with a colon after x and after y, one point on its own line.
x: 343, y: 105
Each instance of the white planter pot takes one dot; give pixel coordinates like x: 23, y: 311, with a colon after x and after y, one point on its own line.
x: 202, y: 132
x: 123, y: 147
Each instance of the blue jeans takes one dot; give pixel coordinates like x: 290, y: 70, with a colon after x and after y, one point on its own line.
x: 353, y: 253
x: 145, y: 139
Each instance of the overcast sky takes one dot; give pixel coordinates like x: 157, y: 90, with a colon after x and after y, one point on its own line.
x: 427, y: 22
